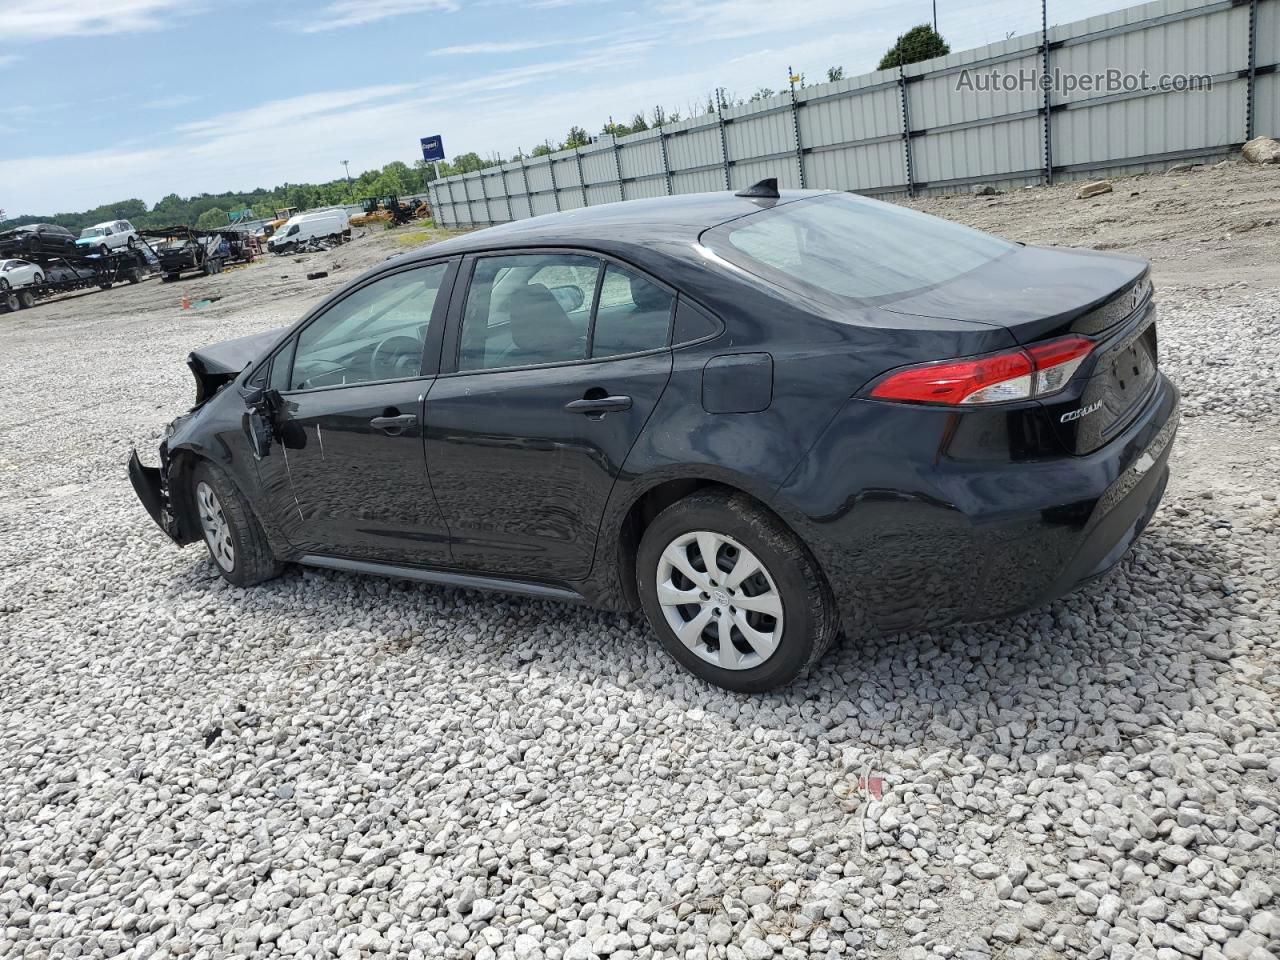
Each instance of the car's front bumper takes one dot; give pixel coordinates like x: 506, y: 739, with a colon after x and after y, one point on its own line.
x: 912, y: 538
x: 149, y: 484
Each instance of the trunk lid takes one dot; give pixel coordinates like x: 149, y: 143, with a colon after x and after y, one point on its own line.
x: 1038, y: 292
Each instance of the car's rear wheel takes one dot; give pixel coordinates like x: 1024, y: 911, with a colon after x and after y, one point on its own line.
x: 4, y: 285
x: 732, y: 594
x: 237, y: 544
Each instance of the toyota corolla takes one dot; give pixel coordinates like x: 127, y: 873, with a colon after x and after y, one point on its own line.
x: 761, y: 418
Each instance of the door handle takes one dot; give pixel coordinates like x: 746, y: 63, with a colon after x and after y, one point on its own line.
x: 599, y: 405
x: 396, y: 424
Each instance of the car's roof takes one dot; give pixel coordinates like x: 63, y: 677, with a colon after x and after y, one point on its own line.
x: 641, y: 222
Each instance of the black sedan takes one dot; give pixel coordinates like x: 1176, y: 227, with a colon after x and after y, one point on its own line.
x: 760, y: 418
x: 35, y: 239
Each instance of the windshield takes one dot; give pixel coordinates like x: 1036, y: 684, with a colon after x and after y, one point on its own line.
x: 93, y: 232
x: 853, y: 247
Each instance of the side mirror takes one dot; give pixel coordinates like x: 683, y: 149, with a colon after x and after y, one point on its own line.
x: 263, y: 404
x: 570, y: 297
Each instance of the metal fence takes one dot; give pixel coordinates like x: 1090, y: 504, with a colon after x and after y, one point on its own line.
x: 930, y: 128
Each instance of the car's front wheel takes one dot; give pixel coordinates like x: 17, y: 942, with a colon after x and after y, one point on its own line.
x: 237, y: 544
x: 733, y: 595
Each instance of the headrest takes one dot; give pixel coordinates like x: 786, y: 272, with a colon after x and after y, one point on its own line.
x: 648, y: 296
x: 539, y: 325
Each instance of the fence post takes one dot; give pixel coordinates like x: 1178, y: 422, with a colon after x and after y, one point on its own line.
x: 506, y: 194
x: 1253, y: 69
x: 795, y: 126
x: 555, y: 190
x: 906, y: 132
x: 524, y: 177
x: 582, y: 184
x: 666, y: 168
x: 724, y: 144
x: 1046, y: 88
x: 617, y: 167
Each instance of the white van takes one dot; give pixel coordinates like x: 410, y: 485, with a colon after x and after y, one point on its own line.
x: 298, y: 229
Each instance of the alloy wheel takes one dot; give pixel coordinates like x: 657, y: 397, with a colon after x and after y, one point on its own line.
x: 720, y: 600
x: 217, y: 532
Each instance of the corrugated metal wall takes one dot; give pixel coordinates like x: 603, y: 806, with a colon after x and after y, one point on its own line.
x: 849, y: 135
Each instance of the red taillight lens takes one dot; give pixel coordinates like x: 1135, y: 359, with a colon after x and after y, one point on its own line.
x: 1036, y: 371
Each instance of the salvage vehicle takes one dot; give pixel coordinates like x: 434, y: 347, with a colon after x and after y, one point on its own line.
x: 183, y: 249
x: 759, y: 417
x: 35, y: 238
x: 102, y: 238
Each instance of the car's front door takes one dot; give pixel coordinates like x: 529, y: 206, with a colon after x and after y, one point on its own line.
x: 347, y: 474
x: 554, y: 363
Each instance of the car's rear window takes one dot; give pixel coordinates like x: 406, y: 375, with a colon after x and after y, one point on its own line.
x: 853, y: 247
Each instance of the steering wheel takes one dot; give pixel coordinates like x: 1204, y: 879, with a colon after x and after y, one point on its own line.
x: 395, y: 357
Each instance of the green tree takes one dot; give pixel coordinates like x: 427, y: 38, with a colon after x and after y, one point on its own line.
x: 918, y: 43
x: 577, y: 138
x: 541, y: 150
x: 212, y: 219
x: 834, y: 74
x: 764, y: 93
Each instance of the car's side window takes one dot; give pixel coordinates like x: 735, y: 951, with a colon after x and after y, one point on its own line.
x: 528, y: 309
x: 282, y: 365
x: 376, y: 333
x: 634, y: 314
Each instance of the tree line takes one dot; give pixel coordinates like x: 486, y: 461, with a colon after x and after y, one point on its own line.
x: 211, y: 210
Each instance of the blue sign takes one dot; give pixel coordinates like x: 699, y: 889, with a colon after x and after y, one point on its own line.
x: 432, y: 148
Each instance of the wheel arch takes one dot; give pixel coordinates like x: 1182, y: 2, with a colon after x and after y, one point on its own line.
x: 645, y: 505
x: 182, y: 463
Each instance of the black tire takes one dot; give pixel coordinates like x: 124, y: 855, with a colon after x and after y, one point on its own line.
x: 9, y: 302
x: 809, y: 618
x: 169, y: 277
x: 26, y: 299
x: 103, y: 250
x: 4, y: 285
x: 38, y: 278
x: 252, y: 562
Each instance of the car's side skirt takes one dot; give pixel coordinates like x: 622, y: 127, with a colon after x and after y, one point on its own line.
x: 447, y: 578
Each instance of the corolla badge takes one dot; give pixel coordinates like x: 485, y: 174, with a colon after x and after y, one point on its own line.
x: 1081, y: 412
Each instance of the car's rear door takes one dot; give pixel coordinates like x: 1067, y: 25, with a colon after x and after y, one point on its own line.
x: 347, y: 477
x: 552, y: 363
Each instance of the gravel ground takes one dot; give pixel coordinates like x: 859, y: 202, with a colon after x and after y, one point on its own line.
x: 335, y: 765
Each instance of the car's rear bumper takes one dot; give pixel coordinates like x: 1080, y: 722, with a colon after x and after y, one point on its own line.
x: 911, y: 538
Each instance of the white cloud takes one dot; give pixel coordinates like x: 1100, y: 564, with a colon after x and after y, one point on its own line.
x: 27, y: 20
x: 168, y: 103
x: 276, y: 114
x: 354, y: 13
x: 513, y: 46
x: 8, y: 58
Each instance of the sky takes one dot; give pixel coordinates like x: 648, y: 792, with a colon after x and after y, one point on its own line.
x: 106, y: 100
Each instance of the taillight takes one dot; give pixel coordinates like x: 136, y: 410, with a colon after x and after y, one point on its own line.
x: 1021, y: 374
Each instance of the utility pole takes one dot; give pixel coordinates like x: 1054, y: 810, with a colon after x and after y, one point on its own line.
x: 350, y: 189
x: 935, y: 16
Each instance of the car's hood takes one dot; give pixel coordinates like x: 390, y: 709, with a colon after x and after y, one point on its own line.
x: 1033, y: 292
x: 217, y: 365
x: 232, y: 356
